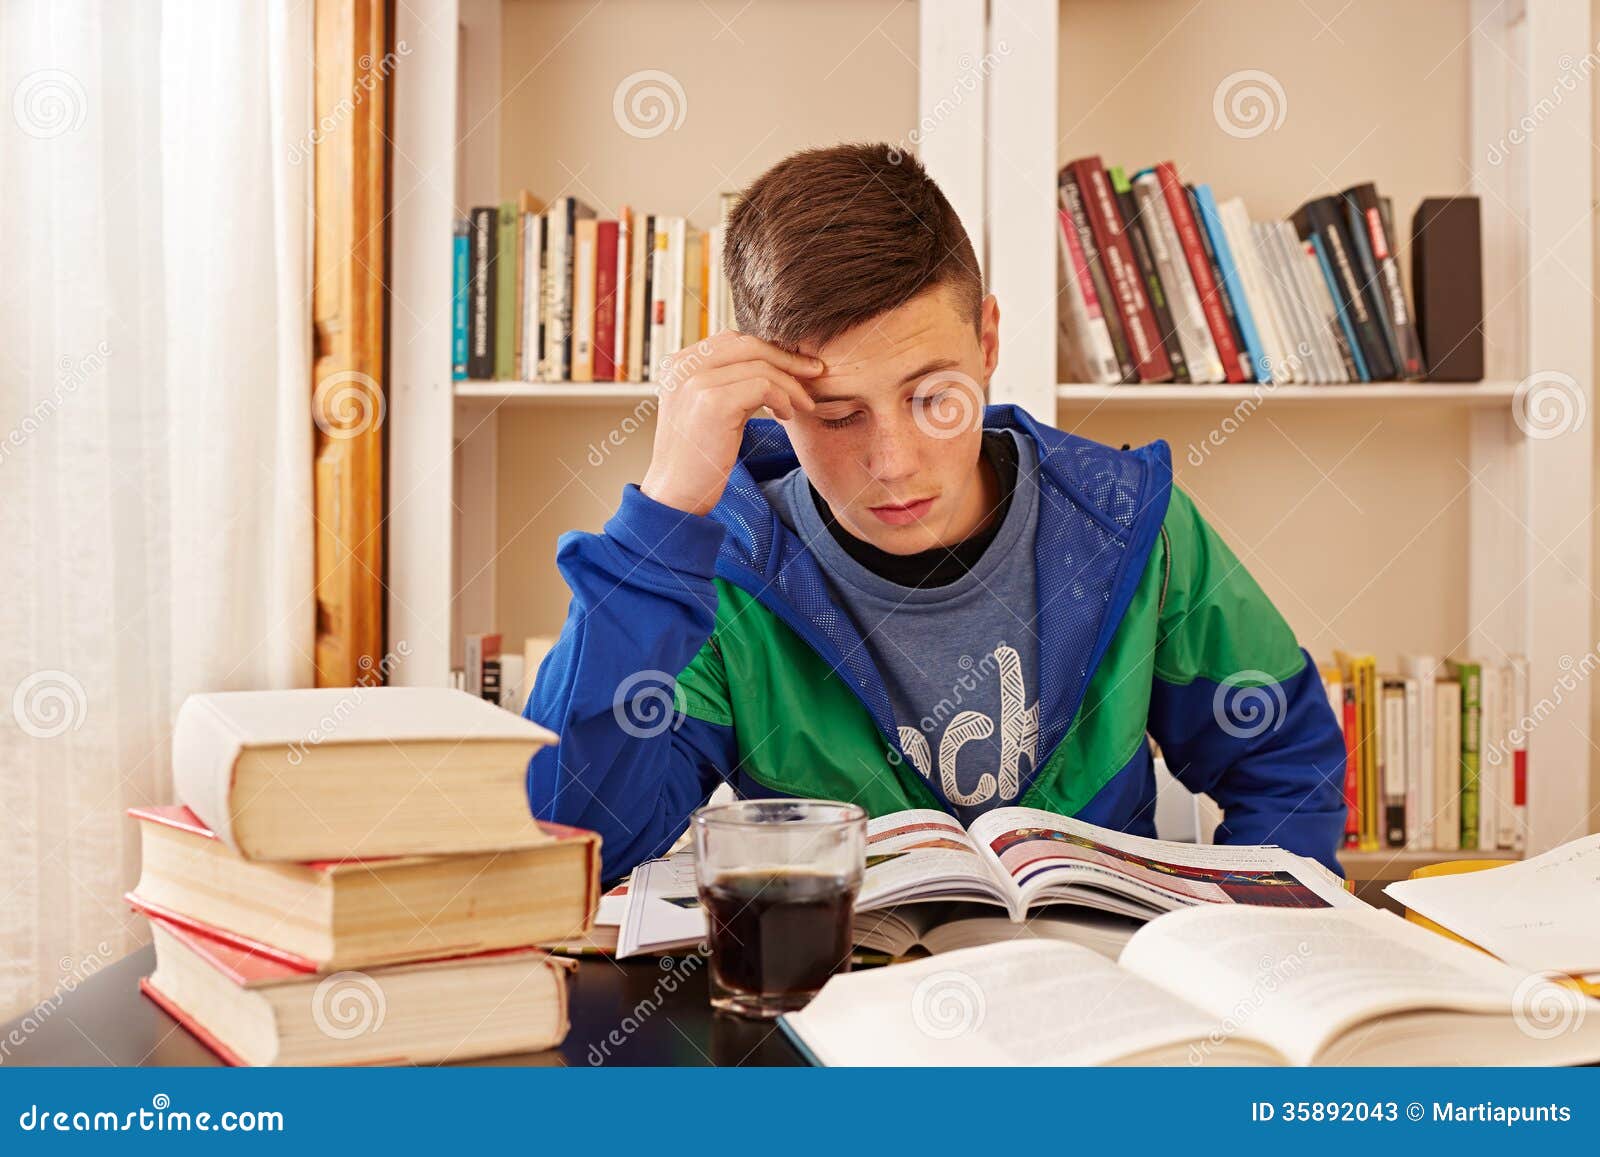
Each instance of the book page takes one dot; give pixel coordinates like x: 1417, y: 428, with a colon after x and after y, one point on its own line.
x: 1028, y: 1002
x: 1539, y: 914
x: 923, y: 855
x: 1048, y: 855
x: 662, y: 907
x: 1296, y: 978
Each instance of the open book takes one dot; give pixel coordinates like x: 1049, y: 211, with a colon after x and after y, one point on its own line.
x: 1212, y: 985
x: 1016, y: 859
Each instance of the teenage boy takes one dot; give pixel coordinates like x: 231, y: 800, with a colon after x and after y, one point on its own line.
x: 895, y: 595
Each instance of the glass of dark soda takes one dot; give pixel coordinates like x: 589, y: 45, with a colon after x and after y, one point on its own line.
x: 778, y: 879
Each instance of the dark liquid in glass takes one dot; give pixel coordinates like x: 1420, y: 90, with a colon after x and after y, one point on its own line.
x: 779, y: 932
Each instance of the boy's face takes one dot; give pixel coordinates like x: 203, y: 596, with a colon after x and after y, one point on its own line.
x: 895, y: 440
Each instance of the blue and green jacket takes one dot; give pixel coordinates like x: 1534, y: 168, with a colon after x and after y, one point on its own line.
x: 703, y: 649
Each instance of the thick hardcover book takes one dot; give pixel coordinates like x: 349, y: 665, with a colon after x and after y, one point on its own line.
x: 605, y: 302
x: 1375, y: 990
x: 1324, y: 218
x: 1144, y: 338
x: 1137, y: 231
x: 352, y: 913
x: 508, y: 247
x: 1212, y: 295
x: 1233, y: 282
x: 1447, y: 287
x: 1377, y: 241
x: 485, y: 252
x: 251, y: 1009
x: 461, y: 273
x: 1072, y: 200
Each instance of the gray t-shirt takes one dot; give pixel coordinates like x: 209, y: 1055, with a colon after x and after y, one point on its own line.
x: 960, y: 661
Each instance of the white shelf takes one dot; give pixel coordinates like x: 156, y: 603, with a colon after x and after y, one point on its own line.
x: 1167, y: 395
x: 557, y: 393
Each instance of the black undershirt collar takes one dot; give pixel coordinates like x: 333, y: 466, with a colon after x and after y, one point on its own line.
x: 942, y: 565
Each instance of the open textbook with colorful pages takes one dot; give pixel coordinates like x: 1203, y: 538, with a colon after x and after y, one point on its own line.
x: 1016, y: 859
x: 1214, y: 984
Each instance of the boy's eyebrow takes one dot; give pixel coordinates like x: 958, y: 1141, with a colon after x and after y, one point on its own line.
x: 932, y: 367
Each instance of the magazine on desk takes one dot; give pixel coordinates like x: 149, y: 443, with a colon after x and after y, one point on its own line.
x: 1016, y: 859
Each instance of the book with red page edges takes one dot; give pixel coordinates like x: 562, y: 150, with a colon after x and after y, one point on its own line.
x: 249, y: 969
x: 1205, y: 283
x: 184, y: 820
x: 1139, y: 320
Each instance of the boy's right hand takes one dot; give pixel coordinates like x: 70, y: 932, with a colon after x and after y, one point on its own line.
x: 708, y: 392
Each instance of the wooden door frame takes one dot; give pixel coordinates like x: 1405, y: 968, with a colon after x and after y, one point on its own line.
x: 354, y: 69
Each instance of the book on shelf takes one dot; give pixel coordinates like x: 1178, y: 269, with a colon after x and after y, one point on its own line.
x: 569, y: 296
x: 508, y: 253
x: 254, y: 1009
x: 1436, y: 752
x: 354, y: 912
x: 460, y: 266
x: 1207, y: 985
x: 531, y: 276
x: 1192, y: 289
x: 1016, y: 860
x: 481, y: 294
x: 1127, y: 292
x: 332, y: 772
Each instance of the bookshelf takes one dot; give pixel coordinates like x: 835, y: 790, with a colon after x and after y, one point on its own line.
x: 1397, y: 517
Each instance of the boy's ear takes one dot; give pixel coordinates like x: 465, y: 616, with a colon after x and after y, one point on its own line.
x: 989, y: 339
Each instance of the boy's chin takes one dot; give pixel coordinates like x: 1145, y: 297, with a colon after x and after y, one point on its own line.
x: 910, y: 539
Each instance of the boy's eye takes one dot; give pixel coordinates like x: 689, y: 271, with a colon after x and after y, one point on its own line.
x: 932, y: 399
x: 840, y: 423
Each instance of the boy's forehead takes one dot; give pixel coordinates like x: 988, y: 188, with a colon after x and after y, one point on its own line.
x: 887, y: 351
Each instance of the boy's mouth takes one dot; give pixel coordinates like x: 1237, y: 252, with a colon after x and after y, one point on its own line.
x: 901, y: 514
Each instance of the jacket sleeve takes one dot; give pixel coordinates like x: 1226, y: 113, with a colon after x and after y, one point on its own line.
x: 1237, y: 707
x: 631, y: 763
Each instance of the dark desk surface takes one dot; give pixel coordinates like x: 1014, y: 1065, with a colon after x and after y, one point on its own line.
x: 107, y: 1021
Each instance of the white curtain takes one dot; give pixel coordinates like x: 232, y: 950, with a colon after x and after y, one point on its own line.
x: 155, y: 432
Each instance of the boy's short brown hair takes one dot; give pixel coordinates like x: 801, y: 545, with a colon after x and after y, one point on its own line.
x: 829, y: 238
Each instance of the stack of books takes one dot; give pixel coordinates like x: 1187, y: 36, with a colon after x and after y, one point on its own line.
x: 551, y: 293
x: 353, y: 877
x: 1436, y: 752
x: 1162, y: 283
